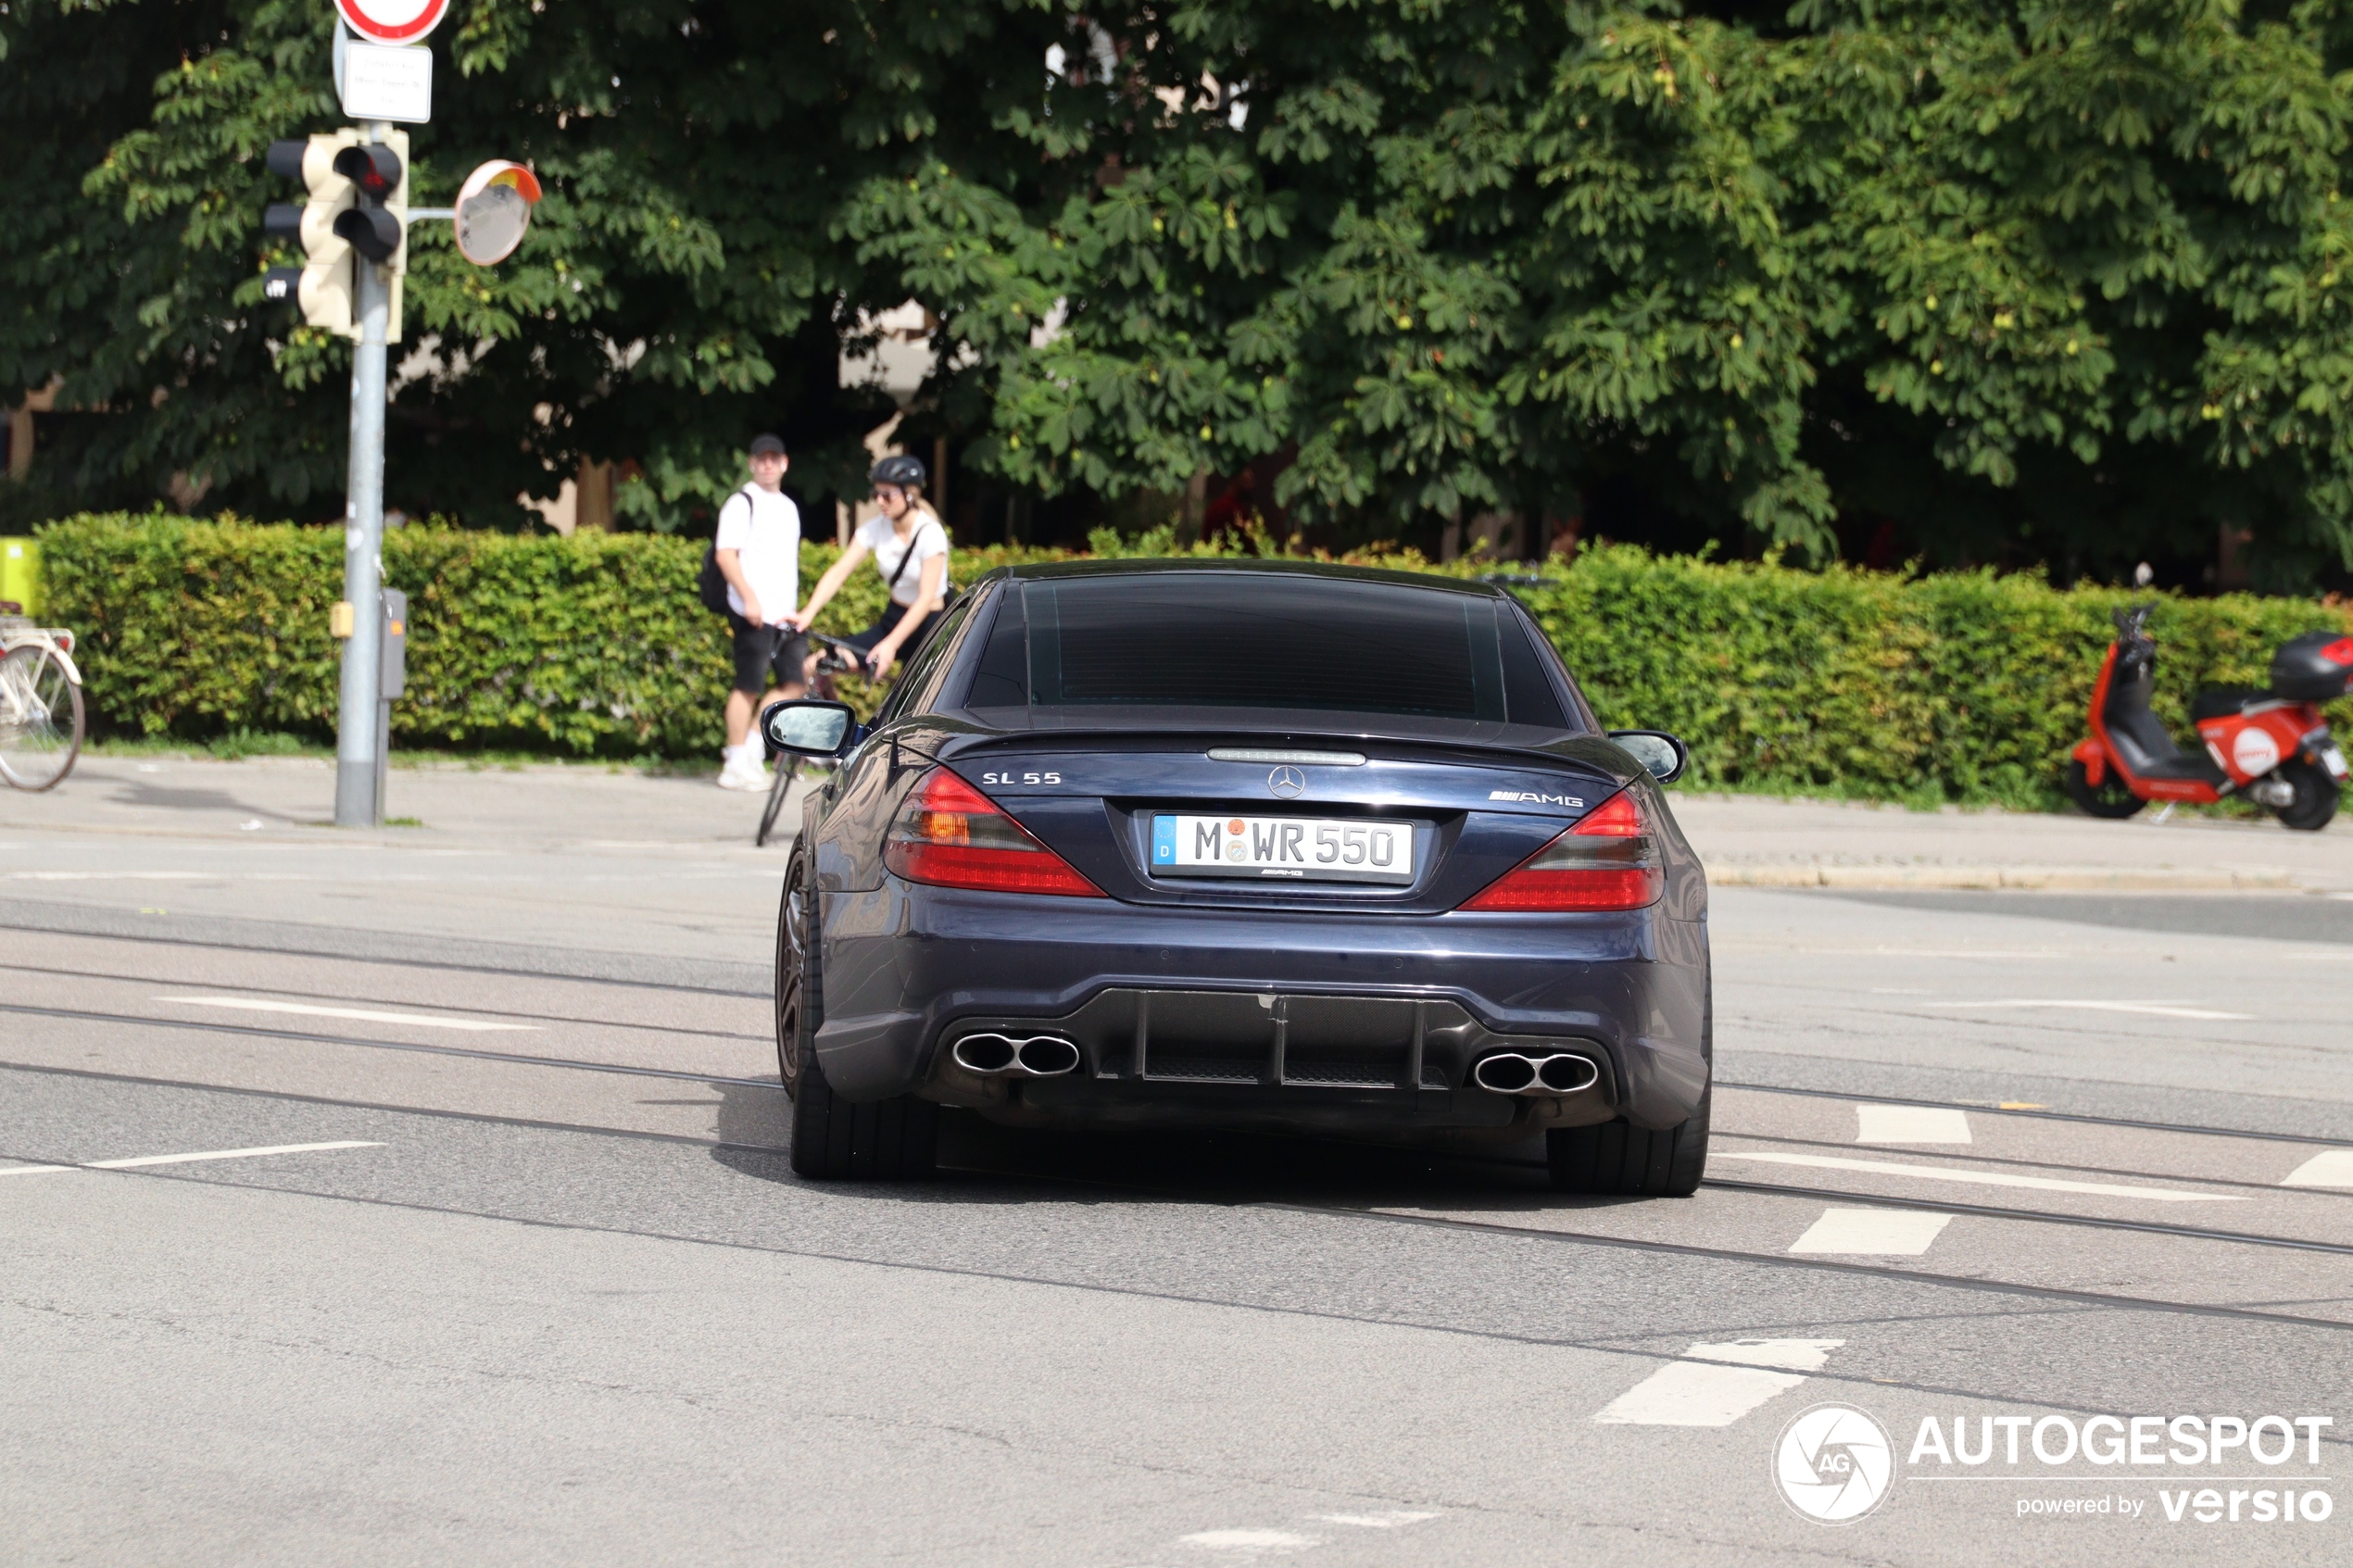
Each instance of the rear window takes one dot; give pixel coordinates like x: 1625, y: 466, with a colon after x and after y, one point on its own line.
x: 1240, y: 639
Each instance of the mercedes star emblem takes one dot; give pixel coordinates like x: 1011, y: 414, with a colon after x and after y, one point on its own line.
x: 1287, y: 782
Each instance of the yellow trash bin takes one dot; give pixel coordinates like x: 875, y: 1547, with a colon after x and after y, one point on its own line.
x: 20, y: 573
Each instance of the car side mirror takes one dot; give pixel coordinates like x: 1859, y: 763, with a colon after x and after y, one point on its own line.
x: 810, y: 727
x: 1661, y: 755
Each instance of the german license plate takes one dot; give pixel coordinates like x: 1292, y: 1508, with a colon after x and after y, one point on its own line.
x: 1295, y: 849
x: 2334, y: 761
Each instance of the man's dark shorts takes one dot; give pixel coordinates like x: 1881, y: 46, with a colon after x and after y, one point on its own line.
x: 763, y: 649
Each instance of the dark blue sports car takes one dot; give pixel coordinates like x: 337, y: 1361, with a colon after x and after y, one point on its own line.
x: 1265, y: 845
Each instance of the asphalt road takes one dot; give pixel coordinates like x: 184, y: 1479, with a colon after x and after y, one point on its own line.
x: 493, y: 1255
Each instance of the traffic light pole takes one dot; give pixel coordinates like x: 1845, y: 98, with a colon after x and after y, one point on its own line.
x: 358, y: 798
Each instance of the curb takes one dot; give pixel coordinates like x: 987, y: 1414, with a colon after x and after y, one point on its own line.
x: 2073, y: 878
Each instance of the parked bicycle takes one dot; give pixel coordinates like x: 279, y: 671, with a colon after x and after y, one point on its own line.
x: 40, y: 716
x: 835, y: 657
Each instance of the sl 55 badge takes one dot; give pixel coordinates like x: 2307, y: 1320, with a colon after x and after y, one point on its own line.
x: 988, y: 779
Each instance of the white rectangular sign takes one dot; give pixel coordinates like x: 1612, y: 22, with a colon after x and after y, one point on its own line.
x: 387, y: 81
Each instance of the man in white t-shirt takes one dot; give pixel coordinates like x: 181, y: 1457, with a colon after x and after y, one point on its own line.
x: 759, y: 554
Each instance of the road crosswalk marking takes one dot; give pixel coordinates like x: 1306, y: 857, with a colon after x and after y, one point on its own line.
x: 1879, y: 1233
x: 1911, y: 1123
x: 1715, y: 1385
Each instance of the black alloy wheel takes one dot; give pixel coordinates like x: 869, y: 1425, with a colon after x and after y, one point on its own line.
x: 894, y: 1139
x: 2110, y: 799
x: 2316, y: 795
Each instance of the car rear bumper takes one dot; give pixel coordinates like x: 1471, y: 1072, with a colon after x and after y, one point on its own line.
x: 1207, y: 1017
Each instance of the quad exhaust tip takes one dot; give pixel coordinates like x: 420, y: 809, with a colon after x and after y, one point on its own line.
x: 1002, y: 1055
x: 1542, y: 1073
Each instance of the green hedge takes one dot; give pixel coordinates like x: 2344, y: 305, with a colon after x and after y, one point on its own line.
x: 1966, y: 687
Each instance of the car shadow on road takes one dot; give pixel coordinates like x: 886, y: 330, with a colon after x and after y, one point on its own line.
x: 981, y: 1163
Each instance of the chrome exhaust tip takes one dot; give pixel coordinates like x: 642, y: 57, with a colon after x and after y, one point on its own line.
x: 1549, y: 1072
x: 993, y: 1056
x: 1047, y: 1055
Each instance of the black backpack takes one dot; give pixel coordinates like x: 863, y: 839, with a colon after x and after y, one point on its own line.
x: 710, y: 585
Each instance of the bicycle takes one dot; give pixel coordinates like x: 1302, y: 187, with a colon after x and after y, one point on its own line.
x: 838, y: 658
x: 40, y: 713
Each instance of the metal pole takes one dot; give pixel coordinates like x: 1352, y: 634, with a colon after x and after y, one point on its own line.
x: 359, y: 802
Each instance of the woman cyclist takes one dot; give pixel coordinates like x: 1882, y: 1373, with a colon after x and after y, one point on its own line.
x: 910, y: 546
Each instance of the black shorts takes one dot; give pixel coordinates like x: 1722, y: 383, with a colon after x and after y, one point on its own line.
x: 761, y: 650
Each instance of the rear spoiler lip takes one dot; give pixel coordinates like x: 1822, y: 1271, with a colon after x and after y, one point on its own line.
x: 1588, y: 753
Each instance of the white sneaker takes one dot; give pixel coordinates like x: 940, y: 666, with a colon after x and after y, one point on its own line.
x: 740, y: 774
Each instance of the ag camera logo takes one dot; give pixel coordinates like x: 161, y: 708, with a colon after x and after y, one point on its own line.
x: 1834, y: 1463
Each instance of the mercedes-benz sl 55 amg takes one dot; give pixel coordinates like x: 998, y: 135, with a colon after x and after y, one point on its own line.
x: 1243, y: 845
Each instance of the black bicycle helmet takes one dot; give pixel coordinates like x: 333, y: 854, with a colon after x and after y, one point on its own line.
x: 903, y: 471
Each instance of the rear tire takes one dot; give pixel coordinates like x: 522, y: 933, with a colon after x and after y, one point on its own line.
x: 2108, y: 800
x: 1621, y: 1159
x: 832, y: 1138
x: 2316, y: 795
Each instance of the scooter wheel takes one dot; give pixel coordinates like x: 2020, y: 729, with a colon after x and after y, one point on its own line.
x: 2315, y: 800
x: 2108, y: 798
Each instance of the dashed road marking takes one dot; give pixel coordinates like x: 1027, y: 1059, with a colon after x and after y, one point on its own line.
x: 2333, y: 1169
x: 2152, y: 1009
x: 365, y: 1015
x: 1396, y: 1519
x: 1978, y: 1178
x: 1253, y: 1543
x: 1716, y: 1385
x: 1911, y: 1123
x: 1879, y: 1233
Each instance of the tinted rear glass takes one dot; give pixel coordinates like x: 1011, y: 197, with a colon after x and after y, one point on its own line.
x: 1263, y: 640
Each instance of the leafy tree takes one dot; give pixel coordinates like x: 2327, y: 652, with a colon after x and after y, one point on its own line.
x: 2047, y: 282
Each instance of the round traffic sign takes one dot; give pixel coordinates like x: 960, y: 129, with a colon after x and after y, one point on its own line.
x: 392, y: 21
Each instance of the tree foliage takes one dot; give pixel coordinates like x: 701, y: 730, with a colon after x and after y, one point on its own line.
x: 2055, y: 280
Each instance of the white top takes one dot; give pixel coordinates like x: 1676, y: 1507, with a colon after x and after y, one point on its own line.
x: 763, y: 528
x: 928, y: 539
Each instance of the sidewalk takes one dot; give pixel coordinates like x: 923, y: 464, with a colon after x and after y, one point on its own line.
x: 1746, y: 841
x: 1755, y: 842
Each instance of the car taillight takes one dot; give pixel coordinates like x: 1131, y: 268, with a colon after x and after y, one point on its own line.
x: 951, y: 836
x: 1607, y: 861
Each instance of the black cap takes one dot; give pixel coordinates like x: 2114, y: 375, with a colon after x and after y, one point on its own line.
x: 761, y: 443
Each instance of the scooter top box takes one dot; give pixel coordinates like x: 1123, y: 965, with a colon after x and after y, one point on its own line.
x: 2315, y: 667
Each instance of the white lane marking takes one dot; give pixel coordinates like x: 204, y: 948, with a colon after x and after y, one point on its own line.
x: 116, y: 876
x: 1911, y: 1123
x: 146, y: 1160
x: 34, y: 1170
x: 1979, y: 1178
x: 2333, y: 1169
x: 1253, y: 1543
x: 366, y: 1015
x: 2152, y: 1009
x: 1874, y: 1233
x: 1716, y: 1385
x: 1396, y: 1519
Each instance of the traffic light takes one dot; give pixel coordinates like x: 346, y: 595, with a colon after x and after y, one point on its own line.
x: 358, y: 208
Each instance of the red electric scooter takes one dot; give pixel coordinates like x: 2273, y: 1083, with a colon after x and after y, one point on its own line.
x: 2269, y: 746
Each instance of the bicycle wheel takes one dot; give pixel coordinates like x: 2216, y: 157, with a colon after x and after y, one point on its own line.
x: 40, y: 718
x: 777, y: 789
